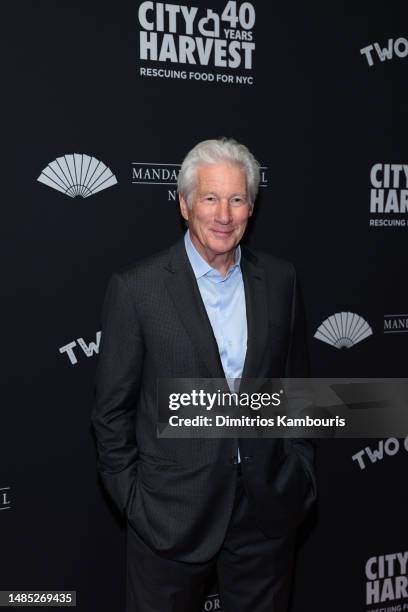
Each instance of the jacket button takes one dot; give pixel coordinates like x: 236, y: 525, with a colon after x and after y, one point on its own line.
x: 247, y: 459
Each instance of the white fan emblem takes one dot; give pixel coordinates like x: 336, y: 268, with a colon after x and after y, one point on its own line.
x: 77, y: 175
x: 343, y: 330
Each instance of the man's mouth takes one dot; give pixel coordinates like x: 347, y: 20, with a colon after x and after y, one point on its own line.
x: 222, y: 233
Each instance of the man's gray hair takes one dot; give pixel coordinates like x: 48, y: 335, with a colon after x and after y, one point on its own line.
x: 213, y: 152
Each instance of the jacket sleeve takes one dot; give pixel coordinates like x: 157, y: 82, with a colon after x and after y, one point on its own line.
x: 116, y: 391
x: 298, y: 366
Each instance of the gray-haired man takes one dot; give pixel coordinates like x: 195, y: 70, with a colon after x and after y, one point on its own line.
x: 203, y: 308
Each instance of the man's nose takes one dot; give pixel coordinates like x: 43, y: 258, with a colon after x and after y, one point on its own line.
x: 223, y: 211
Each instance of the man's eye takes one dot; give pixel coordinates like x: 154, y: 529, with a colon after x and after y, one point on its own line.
x: 237, y: 201
x: 210, y: 199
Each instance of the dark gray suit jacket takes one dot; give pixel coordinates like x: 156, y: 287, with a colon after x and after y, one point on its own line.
x: 178, y: 493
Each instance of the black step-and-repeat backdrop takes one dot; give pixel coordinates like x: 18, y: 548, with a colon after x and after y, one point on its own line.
x: 101, y: 101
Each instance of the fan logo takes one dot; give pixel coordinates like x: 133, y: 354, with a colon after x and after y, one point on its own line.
x: 5, y: 503
x: 397, y: 47
x: 389, y: 195
x: 77, y: 175
x: 343, y: 330
x: 180, y: 34
x: 387, y: 580
x: 149, y: 173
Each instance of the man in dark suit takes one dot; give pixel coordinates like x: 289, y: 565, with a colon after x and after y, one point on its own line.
x: 205, y: 308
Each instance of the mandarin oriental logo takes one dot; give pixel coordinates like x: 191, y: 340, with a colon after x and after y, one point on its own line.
x: 395, y: 323
x: 343, y: 330
x: 150, y: 173
x: 212, y: 603
x: 77, y: 175
x: 155, y: 174
x: 5, y: 501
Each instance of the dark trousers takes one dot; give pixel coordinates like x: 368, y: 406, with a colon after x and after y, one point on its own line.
x: 254, y: 572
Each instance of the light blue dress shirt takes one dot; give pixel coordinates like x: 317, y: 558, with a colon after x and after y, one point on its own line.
x: 224, y: 301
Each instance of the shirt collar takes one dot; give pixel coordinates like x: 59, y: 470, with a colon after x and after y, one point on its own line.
x: 198, y: 263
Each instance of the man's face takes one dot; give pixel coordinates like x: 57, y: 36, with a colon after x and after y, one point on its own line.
x: 220, y: 209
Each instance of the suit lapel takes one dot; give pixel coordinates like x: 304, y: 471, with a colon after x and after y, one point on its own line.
x: 256, y: 301
x: 182, y: 286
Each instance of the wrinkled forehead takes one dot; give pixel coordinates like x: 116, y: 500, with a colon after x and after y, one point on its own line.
x: 221, y: 177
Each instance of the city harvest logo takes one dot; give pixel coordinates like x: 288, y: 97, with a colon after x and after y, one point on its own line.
x: 377, y: 53
x: 343, y: 330
x: 77, y: 175
x: 88, y: 349
x: 386, y: 580
x: 5, y: 502
x: 197, y: 41
x: 149, y: 173
x: 389, y: 195
x: 395, y: 323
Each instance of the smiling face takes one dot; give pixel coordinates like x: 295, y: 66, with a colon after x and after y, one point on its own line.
x: 220, y: 211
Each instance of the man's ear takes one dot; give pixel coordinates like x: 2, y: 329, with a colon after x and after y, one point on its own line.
x: 183, y: 207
